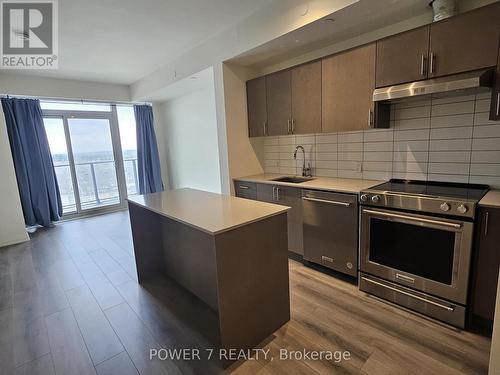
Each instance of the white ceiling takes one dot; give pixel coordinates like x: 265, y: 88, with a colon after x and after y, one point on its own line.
x: 120, y: 41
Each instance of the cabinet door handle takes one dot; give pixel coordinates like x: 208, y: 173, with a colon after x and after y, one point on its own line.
x: 277, y: 193
x: 486, y: 221
x: 243, y: 187
x: 498, y: 104
x: 431, y: 62
x: 422, y: 65
x: 336, y: 203
x: 370, y: 118
x: 293, y: 126
x: 265, y: 127
x: 274, y: 193
x: 288, y: 126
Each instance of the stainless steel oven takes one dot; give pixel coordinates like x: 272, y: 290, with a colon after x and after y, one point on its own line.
x: 427, y: 253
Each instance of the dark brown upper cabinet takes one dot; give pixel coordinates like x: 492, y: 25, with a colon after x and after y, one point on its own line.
x: 465, y: 42
x: 495, y: 93
x: 306, y: 98
x: 257, y: 107
x: 457, y: 44
x: 403, y: 57
x: 348, y: 81
x: 279, y: 103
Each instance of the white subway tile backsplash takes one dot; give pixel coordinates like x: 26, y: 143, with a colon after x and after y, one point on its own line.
x: 326, y: 147
x: 378, y: 135
x: 411, y: 156
x: 449, y: 168
x: 326, y: 164
x: 378, y: 146
x: 411, y: 146
x: 450, y: 144
x: 488, y: 144
x: 326, y: 138
x: 326, y: 156
x: 353, y: 156
x: 350, y: 147
x: 452, y: 121
x: 452, y: 133
x: 455, y: 108
x: 377, y: 166
x: 443, y: 139
x: 413, y: 123
x: 453, y: 99
x: 350, y: 137
x: 483, y: 118
x: 485, y: 156
x: 409, y: 113
x: 483, y: 105
x: 409, y: 167
x: 485, y: 169
x: 269, y: 141
x: 450, y: 157
x: 487, y: 131
x: 386, y: 156
x: 411, y: 135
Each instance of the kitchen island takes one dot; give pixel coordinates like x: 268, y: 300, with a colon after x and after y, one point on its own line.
x: 231, y: 253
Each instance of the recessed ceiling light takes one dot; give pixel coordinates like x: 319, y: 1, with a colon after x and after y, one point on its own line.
x: 193, y: 77
x: 328, y: 20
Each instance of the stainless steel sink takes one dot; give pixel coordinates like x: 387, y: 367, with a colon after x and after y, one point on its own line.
x: 293, y: 179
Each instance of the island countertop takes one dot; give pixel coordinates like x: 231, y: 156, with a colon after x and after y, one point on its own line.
x: 209, y: 212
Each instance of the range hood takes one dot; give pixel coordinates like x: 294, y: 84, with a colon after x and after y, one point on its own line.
x: 476, y: 81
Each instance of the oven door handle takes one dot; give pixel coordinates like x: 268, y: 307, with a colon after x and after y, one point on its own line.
x: 416, y: 219
x: 409, y: 294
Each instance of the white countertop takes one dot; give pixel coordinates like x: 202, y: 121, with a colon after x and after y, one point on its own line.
x: 343, y: 185
x: 491, y: 199
x: 209, y: 212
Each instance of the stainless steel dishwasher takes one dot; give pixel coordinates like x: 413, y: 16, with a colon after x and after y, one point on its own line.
x: 331, y: 230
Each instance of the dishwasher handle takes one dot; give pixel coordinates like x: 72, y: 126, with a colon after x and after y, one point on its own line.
x: 336, y: 203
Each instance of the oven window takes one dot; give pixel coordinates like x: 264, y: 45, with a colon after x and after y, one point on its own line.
x: 425, y: 252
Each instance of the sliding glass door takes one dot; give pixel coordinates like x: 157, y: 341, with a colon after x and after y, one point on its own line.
x: 88, y: 159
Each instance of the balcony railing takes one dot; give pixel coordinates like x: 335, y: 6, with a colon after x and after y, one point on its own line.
x: 97, y: 183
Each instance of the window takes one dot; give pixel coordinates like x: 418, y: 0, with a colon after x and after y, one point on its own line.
x: 85, y: 141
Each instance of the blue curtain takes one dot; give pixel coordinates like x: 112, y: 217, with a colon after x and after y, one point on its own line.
x: 148, y: 161
x: 36, y: 179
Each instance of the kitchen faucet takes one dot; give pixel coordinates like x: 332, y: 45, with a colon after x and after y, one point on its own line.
x: 306, y: 172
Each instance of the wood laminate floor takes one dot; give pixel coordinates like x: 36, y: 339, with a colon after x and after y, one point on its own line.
x: 70, y: 304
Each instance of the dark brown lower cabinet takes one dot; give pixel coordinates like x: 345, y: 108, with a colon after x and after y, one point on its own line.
x: 284, y: 195
x: 485, y: 270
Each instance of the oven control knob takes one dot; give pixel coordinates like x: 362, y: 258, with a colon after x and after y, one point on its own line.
x: 462, y: 208
x: 375, y: 199
x: 444, y: 207
x: 364, y: 197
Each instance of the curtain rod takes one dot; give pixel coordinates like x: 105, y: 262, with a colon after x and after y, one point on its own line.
x: 74, y: 100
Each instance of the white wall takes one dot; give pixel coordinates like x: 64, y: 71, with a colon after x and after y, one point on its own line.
x: 190, y: 135
x: 11, y: 216
x: 17, y: 84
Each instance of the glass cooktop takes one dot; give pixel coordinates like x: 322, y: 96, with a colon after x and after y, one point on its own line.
x: 433, y: 189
